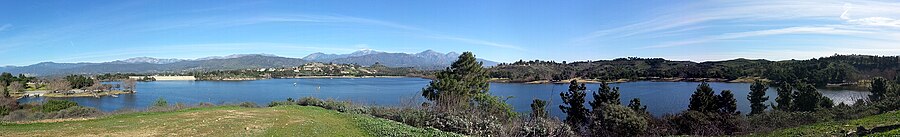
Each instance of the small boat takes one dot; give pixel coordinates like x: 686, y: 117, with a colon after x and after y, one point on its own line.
x: 115, y: 96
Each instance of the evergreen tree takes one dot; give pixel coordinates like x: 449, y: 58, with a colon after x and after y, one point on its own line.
x: 785, y: 97
x: 538, y: 108
x: 703, y: 99
x: 726, y: 103
x: 808, y: 99
x: 573, y: 105
x: 757, y: 97
x: 462, y: 79
x: 605, y: 95
x: 879, y: 88
x: 464, y: 85
x: 635, y: 104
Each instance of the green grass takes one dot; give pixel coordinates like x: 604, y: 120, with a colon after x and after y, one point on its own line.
x: 833, y: 128
x: 226, y: 121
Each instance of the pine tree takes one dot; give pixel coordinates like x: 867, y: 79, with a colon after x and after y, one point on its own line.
x: 879, y: 88
x: 607, y: 95
x: 808, y: 99
x: 635, y: 104
x: 703, y: 99
x: 539, y: 108
x: 726, y: 103
x: 785, y: 97
x: 573, y: 105
x: 463, y: 78
x: 757, y: 97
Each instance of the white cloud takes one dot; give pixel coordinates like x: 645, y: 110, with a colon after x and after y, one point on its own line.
x: 847, y: 7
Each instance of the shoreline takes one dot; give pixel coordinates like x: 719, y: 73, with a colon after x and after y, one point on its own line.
x: 320, y: 77
x: 63, y: 95
x: 652, y: 79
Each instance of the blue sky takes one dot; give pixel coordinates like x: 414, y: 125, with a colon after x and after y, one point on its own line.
x: 506, y: 31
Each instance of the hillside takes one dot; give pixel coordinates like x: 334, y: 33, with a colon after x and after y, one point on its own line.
x: 835, y: 128
x: 427, y: 60
x: 821, y: 71
x: 236, y: 62
x: 226, y: 121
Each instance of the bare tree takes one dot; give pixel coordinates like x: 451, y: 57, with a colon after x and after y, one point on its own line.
x: 129, y: 85
x: 3, y: 89
x: 106, y: 87
x: 96, y: 87
x: 58, y: 85
x: 15, y: 87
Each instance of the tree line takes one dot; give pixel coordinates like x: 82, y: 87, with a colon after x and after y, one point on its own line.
x: 818, y: 72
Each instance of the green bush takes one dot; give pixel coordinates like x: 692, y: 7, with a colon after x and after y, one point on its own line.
x: 160, y: 102
x: 280, y: 103
x: 56, y: 105
x: 617, y: 120
x: 309, y: 101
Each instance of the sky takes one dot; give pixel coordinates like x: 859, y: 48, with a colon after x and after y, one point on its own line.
x: 499, y: 30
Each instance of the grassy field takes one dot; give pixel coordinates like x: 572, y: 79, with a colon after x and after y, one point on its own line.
x: 226, y: 121
x: 833, y: 128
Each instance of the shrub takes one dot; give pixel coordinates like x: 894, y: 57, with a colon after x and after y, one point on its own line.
x: 160, y: 102
x: 335, y: 105
x: 24, y: 115
x: 707, y: 124
x: 280, y: 103
x: 541, y: 127
x: 783, y: 119
x: 466, y: 123
x: 56, y: 105
x: 309, y: 101
x: 8, y: 105
x: 617, y: 120
x: 74, y: 112
x: 248, y: 105
x: 205, y: 104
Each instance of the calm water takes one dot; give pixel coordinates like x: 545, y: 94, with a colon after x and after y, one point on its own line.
x: 660, y: 97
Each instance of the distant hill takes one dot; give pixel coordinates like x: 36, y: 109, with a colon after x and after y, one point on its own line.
x: 425, y: 60
x: 428, y: 59
x: 150, y: 65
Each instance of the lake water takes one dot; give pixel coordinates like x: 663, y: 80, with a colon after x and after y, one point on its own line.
x: 660, y: 97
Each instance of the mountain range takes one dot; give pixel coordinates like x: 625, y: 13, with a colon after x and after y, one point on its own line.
x: 427, y: 60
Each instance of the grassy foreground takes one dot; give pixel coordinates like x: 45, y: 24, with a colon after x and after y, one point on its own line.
x: 226, y: 121
x: 833, y: 128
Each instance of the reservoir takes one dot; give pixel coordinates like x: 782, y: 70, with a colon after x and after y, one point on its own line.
x: 660, y: 97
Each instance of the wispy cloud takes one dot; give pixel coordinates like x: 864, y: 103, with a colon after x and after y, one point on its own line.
x: 854, y: 18
x: 204, y: 50
x: 331, y: 19
x: 478, y: 42
x: 782, y: 31
x: 5, y: 26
